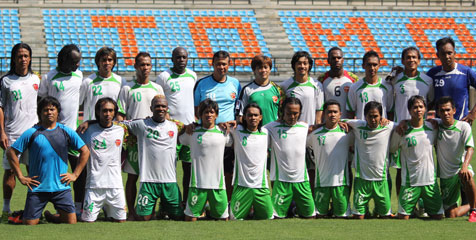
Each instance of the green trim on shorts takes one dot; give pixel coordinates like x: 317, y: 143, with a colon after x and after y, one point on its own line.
x: 450, y: 191
x: 365, y: 190
x: 430, y: 194
x: 198, y: 197
x: 340, y: 200
x: 169, y: 194
x: 244, y: 198
x: 183, y: 153
x: 285, y: 192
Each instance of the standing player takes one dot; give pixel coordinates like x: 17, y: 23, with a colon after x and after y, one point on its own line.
x: 416, y: 156
x: 371, y: 88
x: 250, y: 182
x: 372, y: 141
x: 18, y: 94
x: 454, y: 150
x: 453, y: 79
x: 336, y: 82
x: 104, y: 187
x: 178, y: 83
x: 309, y: 92
x: 262, y: 91
x: 224, y: 90
x: 207, y: 146
x: 103, y: 83
x: 287, y: 140
x: 48, y: 143
x: 329, y: 144
x: 134, y: 102
x: 64, y: 83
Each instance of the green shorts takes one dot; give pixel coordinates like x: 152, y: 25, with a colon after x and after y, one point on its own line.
x: 169, y: 194
x: 365, y: 190
x: 450, y: 191
x: 285, y: 192
x: 243, y: 198
x: 430, y: 194
x: 340, y: 200
x: 198, y: 197
x: 183, y: 153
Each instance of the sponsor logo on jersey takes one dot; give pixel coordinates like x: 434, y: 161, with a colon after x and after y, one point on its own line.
x: 233, y: 95
x: 118, y: 142
x: 171, y: 133
x: 35, y: 86
x: 346, y: 88
x: 275, y: 99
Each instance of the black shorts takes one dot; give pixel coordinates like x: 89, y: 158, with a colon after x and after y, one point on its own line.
x: 36, y: 202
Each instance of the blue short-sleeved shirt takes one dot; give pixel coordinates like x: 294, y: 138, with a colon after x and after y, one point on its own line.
x: 454, y: 84
x: 44, y: 161
x: 224, y: 94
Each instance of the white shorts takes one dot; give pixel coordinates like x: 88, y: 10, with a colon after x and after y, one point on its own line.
x: 112, y: 199
x: 22, y: 156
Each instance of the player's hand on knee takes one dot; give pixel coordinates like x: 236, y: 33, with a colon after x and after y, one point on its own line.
x: 465, y: 174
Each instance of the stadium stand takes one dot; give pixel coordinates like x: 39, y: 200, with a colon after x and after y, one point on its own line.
x: 9, y: 35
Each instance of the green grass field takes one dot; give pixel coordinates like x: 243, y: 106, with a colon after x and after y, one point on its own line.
x: 273, y: 229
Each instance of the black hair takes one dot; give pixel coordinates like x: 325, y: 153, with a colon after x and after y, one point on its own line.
x: 408, y: 49
x: 245, y: 110
x: 331, y: 102
x: 413, y: 100
x: 141, y: 54
x: 444, y: 100
x: 65, y: 53
x: 299, y: 55
x: 207, y: 104
x: 220, y: 54
x: 443, y: 41
x: 373, y: 105
x: 291, y: 100
x: 370, y: 54
x: 14, y: 53
x: 334, y: 49
x: 46, y: 101
x: 100, y: 102
x: 105, y: 51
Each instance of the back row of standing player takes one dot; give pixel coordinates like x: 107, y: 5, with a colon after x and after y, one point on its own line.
x: 180, y: 86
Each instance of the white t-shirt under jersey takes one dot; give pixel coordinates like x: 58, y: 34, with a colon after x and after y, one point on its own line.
x: 18, y: 100
x: 134, y: 99
x: 65, y: 88
x: 178, y: 89
x: 416, y: 155
x: 251, y: 152
x: 361, y: 93
x: 288, y: 151
x: 207, y: 147
x: 330, y: 148
x: 94, y: 87
x: 157, y: 144
x: 104, y: 165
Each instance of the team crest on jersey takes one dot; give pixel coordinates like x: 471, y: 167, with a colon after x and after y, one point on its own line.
x: 233, y: 95
x: 171, y: 134
x: 346, y: 89
x: 35, y: 86
x: 118, y: 142
x: 275, y: 99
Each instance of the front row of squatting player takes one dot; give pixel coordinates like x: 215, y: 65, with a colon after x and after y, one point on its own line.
x: 308, y: 167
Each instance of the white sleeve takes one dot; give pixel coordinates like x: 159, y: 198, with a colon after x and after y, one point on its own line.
x: 395, y: 142
x: 122, y: 100
x: 83, y: 91
x: 184, y: 139
x: 319, y: 97
x: 43, y: 90
x: 390, y: 97
x: 467, y: 135
x: 351, y: 100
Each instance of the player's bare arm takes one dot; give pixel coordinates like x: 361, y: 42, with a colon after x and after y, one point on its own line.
x: 15, y: 164
x: 83, y: 159
x: 3, y: 134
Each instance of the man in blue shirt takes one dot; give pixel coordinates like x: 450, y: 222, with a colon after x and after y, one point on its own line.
x: 48, y: 144
x: 453, y: 79
x: 224, y: 90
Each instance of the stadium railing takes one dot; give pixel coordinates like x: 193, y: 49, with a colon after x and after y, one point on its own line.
x: 147, y: 1
x: 382, y: 2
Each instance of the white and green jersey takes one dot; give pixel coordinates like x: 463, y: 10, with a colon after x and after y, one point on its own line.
x: 65, y: 88
x: 18, y: 96
x: 178, y: 89
x: 104, y: 164
x: 337, y: 88
x: 156, y: 144
x: 371, y: 148
x: 405, y: 87
x: 416, y: 155
x: 207, y: 147
x: 311, y: 95
x: 451, y: 147
x: 288, y: 151
x: 135, y: 98
x: 95, y: 87
x: 251, y: 152
x: 361, y: 93
x: 330, y: 148
x: 268, y: 98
